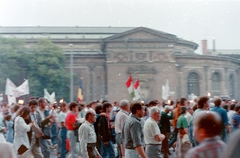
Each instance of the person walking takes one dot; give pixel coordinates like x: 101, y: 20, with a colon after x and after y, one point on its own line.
x: 87, y: 136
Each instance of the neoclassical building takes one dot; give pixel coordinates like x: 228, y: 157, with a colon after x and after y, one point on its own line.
x: 104, y: 58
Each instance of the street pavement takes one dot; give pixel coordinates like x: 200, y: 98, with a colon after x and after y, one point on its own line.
x: 54, y: 153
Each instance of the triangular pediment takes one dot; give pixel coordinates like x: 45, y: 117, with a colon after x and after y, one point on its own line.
x: 142, y: 33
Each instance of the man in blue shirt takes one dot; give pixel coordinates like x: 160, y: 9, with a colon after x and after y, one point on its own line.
x: 223, y: 113
x: 236, y: 118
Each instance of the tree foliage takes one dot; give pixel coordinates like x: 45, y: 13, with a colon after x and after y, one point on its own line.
x: 43, y: 64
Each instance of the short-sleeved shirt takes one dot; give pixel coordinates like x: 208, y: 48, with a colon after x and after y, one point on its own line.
x: 62, y: 117
x: 132, y: 133
x: 70, y: 120
x: 120, y: 118
x: 151, y: 129
x: 182, y: 122
x: 223, y: 113
x: 208, y: 148
x: 236, y: 121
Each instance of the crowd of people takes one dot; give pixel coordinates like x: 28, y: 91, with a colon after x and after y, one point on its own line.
x: 135, y: 129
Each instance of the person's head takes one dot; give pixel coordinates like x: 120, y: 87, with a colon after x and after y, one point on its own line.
x: 24, y: 112
x: 8, y: 117
x: 217, y: 101
x: 16, y: 107
x: 203, y: 103
x: 237, y: 109
x: 90, y: 116
x: 153, y: 103
x: 107, y: 107
x: 194, y: 107
x: 137, y: 109
x: 183, y: 110
x: 190, y: 110
x: 73, y: 106
x: 155, y: 113
x: 92, y: 104
x: 124, y: 104
x: 145, y: 110
x: 64, y: 106
x: 115, y: 103
x: 204, y: 123
x: 99, y: 108
x: 42, y: 103
x: 232, y: 106
x: 225, y: 106
x: 183, y: 101
x: 33, y: 105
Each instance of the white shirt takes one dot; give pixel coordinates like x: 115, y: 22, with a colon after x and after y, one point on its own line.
x: 20, y: 134
x: 61, y: 117
x: 120, y: 118
x: 86, y: 135
x: 151, y: 129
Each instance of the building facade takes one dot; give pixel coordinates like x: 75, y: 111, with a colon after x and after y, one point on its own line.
x: 104, y: 58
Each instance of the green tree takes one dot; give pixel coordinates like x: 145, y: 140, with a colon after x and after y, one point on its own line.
x: 43, y: 64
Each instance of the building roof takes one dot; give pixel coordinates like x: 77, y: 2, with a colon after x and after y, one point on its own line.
x: 31, y: 32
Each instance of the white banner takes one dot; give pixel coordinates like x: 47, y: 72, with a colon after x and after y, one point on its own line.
x: 50, y: 98
x: 11, y: 100
x: 23, y: 89
x: 10, y: 88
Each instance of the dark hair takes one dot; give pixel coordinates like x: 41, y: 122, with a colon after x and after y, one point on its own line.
x: 237, y: 107
x: 91, y: 103
x: 232, y: 106
x: 99, y: 108
x: 106, y: 105
x: 40, y: 100
x: 217, y: 101
x: 201, y: 101
x: 225, y: 106
x: 194, y: 107
x: 8, y: 117
x: 16, y: 107
x: 183, y: 110
x: 104, y: 101
x: 207, y: 120
x: 72, y: 105
x: 33, y: 102
x: 24, y: 111
x: 182, y: 100
x: 153, y: 103
x: 135, y: 106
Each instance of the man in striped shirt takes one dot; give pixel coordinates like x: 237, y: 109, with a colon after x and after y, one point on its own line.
x: 207, y: 126
x: 120, y: 118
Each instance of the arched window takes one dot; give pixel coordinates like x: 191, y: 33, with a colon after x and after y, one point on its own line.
x: 231, y: 86
x: 216, y: 84
x: 193, y: 84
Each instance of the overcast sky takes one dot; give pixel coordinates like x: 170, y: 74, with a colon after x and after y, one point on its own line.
x: 190, y: 20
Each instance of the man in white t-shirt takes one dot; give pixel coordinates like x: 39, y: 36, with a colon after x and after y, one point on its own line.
x: 62, y: 135
x: 152, y: 135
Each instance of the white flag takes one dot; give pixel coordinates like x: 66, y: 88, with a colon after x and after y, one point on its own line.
x: 23, y: 89
x: 164, y: 93
x: 137, y: 90
x: 10, y: 88
x: 11, y: 99
x: 50, y: 98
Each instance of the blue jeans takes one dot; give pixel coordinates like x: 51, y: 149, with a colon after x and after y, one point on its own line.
x: 107, y: 151
x: 174, y: 139
x: 62, y: 136
x: 54, y: 130
x: 45, y: 147
x: 73, y: 143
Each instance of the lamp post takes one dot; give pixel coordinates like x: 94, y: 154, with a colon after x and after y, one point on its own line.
x: 71, y: 73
